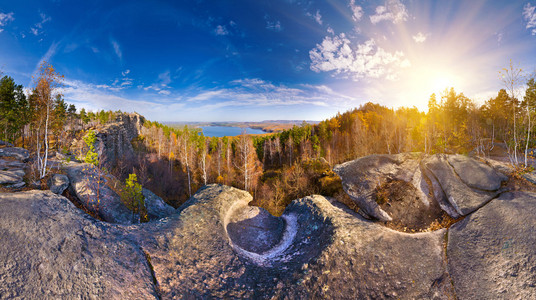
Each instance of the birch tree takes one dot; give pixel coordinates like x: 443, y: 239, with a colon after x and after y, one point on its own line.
x: 46, y: 87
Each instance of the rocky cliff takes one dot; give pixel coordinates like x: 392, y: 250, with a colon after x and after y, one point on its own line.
x: 113, y: 140
x: 217, y: 246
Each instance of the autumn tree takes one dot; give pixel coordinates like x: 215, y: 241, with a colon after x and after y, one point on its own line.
x: 246, y: 159
x: 511, y: 77
x: 46, y: 84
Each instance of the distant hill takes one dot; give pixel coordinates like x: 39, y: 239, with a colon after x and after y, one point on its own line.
x: 266, y: 125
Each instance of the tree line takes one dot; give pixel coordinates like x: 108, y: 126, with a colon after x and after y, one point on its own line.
x: 278, y: 167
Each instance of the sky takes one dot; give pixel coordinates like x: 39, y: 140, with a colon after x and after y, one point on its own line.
x: 233, y: 60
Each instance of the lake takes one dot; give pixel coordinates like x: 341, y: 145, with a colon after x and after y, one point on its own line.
x: 221, y: 131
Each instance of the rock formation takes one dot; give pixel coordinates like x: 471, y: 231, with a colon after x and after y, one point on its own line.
x: 94, y: 190
x: 217, y: 246
x: 12, y: 167
x: 113, y: 140
x: 458, y: 184
x: 51, y: 249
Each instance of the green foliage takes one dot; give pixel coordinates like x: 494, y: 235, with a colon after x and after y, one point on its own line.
x: 14, y: 109
x: 132, y: 196
x: 91, y: 156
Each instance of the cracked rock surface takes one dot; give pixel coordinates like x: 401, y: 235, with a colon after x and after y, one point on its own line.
x: 51, y: 249
x: 492, y: 252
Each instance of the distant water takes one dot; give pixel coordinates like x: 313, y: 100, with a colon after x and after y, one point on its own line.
x: 221, y: 131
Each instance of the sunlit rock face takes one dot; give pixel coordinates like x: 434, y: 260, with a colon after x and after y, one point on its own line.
x: 458, y: 184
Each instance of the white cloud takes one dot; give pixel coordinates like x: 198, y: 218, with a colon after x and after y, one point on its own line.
x: 317, y: 17
x: 117, y: 48
x: 95, y: 97
x: 164, y: 92
x: 367, y: 60
x: 221, y: 30
x: 273, y: 25
x: 38, y: 26
x: 393, y: 11
x: 529, y: 14
x: 258, y: 92
x: 124, y: 73
x: 48, y: 55
x: 330, y: 30
x: 420, y: 37
x: 4, y: 19
x: 357, y: 11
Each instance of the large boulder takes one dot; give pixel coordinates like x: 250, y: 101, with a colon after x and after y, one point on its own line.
x: 92, y: 188
x: 492, y: 252
x: 457, y: 184
x: 156, y: 207
x: 15, y: 152
x: 362, y: 176
x: 475, y: 174
x: 464, y: 192
x: 50, y: 249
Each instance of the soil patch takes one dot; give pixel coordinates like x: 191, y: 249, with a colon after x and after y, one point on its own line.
x: 410, y: 213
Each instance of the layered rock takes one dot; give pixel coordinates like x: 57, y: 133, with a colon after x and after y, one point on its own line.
x: 12, y: 167
x: 16, y: 153
x: 114, y: 139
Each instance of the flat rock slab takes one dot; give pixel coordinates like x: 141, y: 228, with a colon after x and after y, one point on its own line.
x: 492, y: 252
x: 50, y: 249
x: 476, y: 174
x: 463, y: 198
x: 323, y: 252
x: 15, y: 152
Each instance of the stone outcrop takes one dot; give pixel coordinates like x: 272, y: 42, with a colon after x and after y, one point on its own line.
x: 458, y: 184
x: 52, y: 250
x: 12, y: 167
x: 492, y: 252
x: 314, y: 250
x: 16, y: 153
x: 113, y: 140
x: 216, y: 246
x: 91, y: 188
x: 98, y: 197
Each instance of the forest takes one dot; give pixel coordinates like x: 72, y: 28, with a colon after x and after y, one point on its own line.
x: 275, y: 167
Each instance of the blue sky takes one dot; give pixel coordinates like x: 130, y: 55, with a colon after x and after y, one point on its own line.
x: 265, y: 60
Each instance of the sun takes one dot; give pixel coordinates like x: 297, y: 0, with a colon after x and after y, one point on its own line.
x: 441, y: 82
